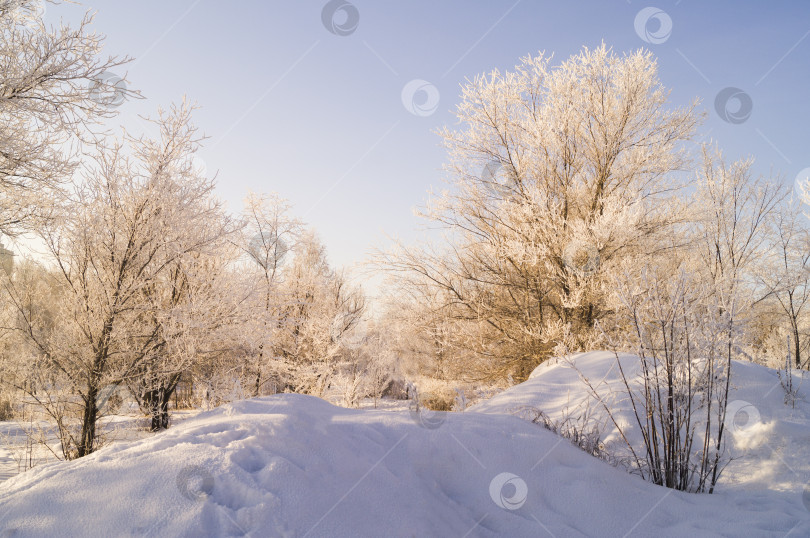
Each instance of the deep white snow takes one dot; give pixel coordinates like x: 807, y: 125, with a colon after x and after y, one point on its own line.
x: 292, y: 465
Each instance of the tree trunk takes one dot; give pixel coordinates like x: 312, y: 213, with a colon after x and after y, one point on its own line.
x: 796, y: 345
x: 157, y: 401
x: 89, y: 418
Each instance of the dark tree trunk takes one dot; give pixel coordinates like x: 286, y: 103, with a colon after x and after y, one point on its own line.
x: 160, y: 421
x: 157, y: 401
x: 89, y: 418
x: 152, y: 400
x: 796, y: 346
x: 87, y: 441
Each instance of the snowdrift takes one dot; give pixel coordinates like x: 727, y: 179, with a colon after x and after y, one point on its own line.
x: 292, y: 465
x: 768, y: 441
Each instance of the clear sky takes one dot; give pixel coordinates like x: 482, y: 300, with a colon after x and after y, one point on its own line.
x: 293, y: 107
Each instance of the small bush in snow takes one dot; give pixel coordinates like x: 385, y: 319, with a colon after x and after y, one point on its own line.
x: 580, y: 430
x: 786, y: 380
x: 6, y: 410
x: 685, y: 337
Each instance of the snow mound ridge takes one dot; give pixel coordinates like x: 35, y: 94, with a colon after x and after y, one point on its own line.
x: 293, y: 465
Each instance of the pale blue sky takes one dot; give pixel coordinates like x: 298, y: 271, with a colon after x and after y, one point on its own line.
x: 318, y: 117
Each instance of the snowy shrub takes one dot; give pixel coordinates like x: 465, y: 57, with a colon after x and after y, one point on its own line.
x: 581, y: 431
x: 351, y: 385
x: 460, y: 402
x: 685, y: 339
x: 437, y: 402
x: 791, y: 390
x: 786, y: 380
x: 6, y: 410
x: 433, y: 394
x: 396, y: 389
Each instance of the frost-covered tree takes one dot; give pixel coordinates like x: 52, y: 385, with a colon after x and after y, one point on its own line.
x: 50, y: 80
x: 431, y: 337
x: 322, y: 308
x: 269, y: 235
x: 784, y: 273
x: 560, y: 175
x: 370, y: 365
x: 732, y: 222
x: 195, y: 307
x: 138, y: 214
x: 30, y: 294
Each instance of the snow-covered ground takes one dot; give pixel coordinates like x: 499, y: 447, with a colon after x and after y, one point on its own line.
x: 292, y: 465
x: 8, y: 467
x: 14, y: 448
